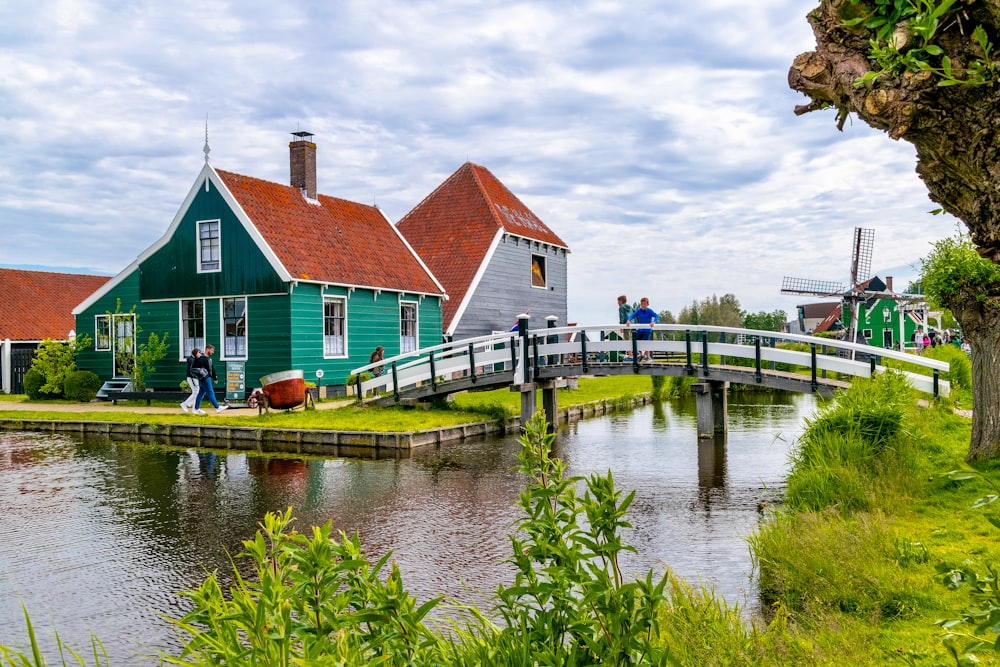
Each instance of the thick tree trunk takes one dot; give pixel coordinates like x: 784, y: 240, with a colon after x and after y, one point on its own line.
x: 981, y: 327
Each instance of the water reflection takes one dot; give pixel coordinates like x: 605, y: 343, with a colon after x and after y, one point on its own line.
x: 100, y: 535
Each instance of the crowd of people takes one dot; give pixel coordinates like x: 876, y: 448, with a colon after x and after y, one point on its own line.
x: 932, y: 338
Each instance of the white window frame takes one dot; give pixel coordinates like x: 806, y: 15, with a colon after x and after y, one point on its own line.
x: 213, y: 265
x: 545, y: 271
x: 416, y: 327
x: 106, y: 347
x: 197, y: 342
x: 225, y: 353
x: 327, y: 354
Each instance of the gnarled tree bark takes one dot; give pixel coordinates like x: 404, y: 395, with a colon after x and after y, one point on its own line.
x: 956, y: 132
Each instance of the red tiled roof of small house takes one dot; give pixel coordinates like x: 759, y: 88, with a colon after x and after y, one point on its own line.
x: 35, y: 305
x: 453, y: 227
x: 336, y: 241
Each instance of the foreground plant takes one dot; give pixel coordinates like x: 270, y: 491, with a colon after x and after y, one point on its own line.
x: 569, y: 604
x: 10, y: 657
x: 316, y: 599
x: 980, y: 619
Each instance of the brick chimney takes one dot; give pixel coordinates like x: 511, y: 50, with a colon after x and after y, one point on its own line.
x: 302, y: 163
x: 888, y: 283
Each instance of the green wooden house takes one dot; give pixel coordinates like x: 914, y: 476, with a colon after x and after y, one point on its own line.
x: 884, y: 319
x: 276, y: 276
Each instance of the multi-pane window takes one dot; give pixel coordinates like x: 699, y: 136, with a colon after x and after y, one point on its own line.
x: 102, y: 333
x: 234, y: 327
x: 538, y: 271
x: 334, y: 343
x: 407, y: 327
x: 209, y: 246
x: 192, y: 325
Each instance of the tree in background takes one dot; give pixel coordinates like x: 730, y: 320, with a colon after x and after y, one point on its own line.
x: 765, y: 321
x: 924, y: 71
x: 957, y: 277
x: 713, y: 311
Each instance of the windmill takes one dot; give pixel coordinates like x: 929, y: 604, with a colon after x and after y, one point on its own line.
x: 861, y: 262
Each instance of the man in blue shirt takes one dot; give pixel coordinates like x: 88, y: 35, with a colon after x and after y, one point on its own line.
x: 644, y: 315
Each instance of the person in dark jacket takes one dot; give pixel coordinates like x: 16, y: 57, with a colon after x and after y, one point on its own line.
x: 192, y: 379
x: 207, y: 389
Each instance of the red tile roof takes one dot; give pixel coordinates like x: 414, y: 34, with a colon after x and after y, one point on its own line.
x: 337, y: 241
x: 38, y: 304
x: 453, y: 227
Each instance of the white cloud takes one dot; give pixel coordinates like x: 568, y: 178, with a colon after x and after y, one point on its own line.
x: 657, y: 139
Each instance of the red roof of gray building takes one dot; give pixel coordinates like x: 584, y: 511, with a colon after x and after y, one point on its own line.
x: 453, y: 228
x: 333, y: 240
x: 35, y: 305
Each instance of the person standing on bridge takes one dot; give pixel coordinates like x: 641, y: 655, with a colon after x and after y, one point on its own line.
x: 624, y: 310
x: 644, y: 315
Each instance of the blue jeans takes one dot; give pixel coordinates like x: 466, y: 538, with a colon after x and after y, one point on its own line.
x: 206, y: 390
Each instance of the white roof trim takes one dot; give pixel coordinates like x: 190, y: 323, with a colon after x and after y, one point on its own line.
x: 251, y: 229
x: 476, y: 279
x: 207, y: 173
x: 412, y: 252
x: 106, y: 287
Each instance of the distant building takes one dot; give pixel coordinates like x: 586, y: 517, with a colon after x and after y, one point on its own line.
x: 35, y: 306
x: 494, y: 257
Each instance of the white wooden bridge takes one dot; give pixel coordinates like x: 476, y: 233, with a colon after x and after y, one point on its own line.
x: 541, y: 359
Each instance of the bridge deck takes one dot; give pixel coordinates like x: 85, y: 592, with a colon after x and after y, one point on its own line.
x: 510, y: 359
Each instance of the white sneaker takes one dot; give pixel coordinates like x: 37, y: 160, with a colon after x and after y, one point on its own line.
x: 200, y: 412
x: 221, y: 408
x: 184, y: 408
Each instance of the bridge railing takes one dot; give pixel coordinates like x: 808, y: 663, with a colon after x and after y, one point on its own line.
x: 600, y: 344
x: 470, y: 358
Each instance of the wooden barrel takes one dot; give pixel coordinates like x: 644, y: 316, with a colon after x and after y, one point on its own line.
x: 284, y: 389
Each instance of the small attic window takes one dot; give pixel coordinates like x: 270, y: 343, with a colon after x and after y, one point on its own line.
x: 538, y: 271
x: 209, y: 246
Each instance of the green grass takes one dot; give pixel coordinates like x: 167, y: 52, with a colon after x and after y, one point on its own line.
x: 852, y: 571
x: 467, y: 408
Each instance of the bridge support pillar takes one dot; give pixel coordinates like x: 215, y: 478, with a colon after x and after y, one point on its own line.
x: 529, y: 401
x: 711, y: 403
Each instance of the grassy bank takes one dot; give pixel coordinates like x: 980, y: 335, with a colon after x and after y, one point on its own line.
x: 466, y: 408
x: 851, y: 568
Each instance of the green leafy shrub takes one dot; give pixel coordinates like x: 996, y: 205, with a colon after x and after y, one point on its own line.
x: 54, y: 360
x: 81, y: 386
x: 960, y: 372
x: 33, y: 382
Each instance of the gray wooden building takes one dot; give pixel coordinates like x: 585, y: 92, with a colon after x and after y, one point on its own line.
x: 494, y: 257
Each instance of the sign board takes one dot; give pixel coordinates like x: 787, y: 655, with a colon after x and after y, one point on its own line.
x: 236, y: 386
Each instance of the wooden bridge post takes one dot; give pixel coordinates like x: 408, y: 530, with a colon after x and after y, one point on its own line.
x: 550, y: 403
x: 524, y: 384
x: 712, y: 406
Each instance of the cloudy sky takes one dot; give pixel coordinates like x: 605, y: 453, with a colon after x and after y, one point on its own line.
x: 656, y: 138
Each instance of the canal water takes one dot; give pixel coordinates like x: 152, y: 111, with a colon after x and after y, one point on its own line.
x: 97, y: 537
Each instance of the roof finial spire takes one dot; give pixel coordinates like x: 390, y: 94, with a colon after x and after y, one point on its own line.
x: 206, y: 149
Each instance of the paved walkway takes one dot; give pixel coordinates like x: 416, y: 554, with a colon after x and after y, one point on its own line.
x: 141, y: 407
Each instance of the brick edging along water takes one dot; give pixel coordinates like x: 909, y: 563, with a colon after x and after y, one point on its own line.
x: 299, y: 441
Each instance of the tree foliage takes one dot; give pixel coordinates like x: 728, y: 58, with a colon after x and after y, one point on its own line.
x: 765, y: 321
x: 713, y: 311
x: 54, y: 360
x: 954, y: 274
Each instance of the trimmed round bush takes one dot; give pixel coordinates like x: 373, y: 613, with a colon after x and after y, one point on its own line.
x: 33, y: 381
x: 81, y: 386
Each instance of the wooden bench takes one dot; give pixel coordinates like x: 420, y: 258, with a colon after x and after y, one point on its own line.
x: 148, y: 396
